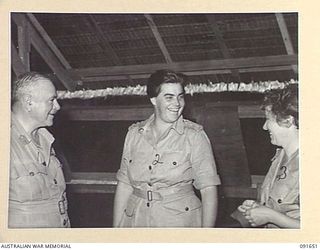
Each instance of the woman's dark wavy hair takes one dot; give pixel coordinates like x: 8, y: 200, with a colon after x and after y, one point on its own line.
x: 283, y: 103
x: 163, y: 76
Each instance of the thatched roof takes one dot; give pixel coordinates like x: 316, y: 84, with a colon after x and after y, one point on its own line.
x: 97, y: 50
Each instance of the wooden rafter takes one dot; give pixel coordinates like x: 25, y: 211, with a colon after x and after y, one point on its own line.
x: 222, y: 45
x: 286, y: 37
x: 103, y: 41
x: 48, y: 40
x: 46, y: 53
x: 194, y: 67
x: 158, y: 38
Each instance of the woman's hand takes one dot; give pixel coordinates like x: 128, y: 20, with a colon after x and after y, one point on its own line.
x: 259, y: 215
x: 247, y: 204
x: 262, y: 215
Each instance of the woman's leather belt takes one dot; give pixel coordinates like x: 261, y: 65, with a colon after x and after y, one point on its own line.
x: 161, y: 194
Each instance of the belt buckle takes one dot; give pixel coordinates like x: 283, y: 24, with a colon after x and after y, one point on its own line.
x: 61, y: 206
x: 149, y: 195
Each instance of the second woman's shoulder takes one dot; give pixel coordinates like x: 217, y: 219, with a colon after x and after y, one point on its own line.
x: 137, y: 127
x: 277, y: 154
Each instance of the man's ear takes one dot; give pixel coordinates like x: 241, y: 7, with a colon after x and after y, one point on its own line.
x: 153, y: 101
x: 27, y: 102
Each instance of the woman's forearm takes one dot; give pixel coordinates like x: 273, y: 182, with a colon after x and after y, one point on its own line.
x: 122, y: 195
x: 209, y: 197
x: 284, y: 221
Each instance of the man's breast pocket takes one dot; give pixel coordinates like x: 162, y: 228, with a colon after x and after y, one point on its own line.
x: 29, y: 185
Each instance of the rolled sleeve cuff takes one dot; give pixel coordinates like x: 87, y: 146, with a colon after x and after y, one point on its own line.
x: 207, y: 181
x: 294, y: 214
x: 120, y: 176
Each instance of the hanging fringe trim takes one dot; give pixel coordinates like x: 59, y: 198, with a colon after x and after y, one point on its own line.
x: 191, y: 89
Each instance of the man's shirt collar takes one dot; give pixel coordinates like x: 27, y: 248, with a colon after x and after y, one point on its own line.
x: 24, y: 137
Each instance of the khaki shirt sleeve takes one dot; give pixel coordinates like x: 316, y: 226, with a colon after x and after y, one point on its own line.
x: 122, y: 174
x: 203, y: 163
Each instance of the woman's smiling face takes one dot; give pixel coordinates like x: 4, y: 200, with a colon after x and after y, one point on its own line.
x: 170, y: 103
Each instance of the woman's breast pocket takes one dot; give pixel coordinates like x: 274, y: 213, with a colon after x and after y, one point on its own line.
x: 177, y: 163
x: 138, y: 163
x: 285, y: 197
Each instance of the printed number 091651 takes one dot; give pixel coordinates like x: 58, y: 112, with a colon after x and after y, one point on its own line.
x: 312, y: 246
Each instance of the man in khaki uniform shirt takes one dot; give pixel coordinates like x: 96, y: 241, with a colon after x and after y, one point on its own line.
x: 37, y: 197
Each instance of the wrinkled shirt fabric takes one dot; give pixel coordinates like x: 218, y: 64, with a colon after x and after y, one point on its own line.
x: 280, y: 189
x: 163, y: 174
x: 37, y: 197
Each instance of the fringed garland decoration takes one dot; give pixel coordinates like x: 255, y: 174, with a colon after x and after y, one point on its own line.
x: 191, y: 89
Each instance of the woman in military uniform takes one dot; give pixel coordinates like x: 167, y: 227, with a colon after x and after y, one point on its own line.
x: 164, y: 157
x: 279, y: 205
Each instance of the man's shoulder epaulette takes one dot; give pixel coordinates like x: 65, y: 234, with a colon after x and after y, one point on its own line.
x: 192, y: 125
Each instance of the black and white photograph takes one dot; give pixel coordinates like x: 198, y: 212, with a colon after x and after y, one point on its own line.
x: 158, y: 124
x: 154, y: 120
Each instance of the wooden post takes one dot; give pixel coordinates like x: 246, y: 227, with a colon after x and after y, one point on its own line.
x: 24, y: 44
x: 17, y: 65
x: 222, y: 125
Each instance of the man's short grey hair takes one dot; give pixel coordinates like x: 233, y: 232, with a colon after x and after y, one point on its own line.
x: 23, y: 84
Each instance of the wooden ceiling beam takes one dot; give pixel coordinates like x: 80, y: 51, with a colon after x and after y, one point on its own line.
x: 158, y: 38
x: 193, y: 66
x: 286, y: 37
x: 193, y: 73
x: 48, y: 40
x: 134, y: 113
x: 46, y: 53
x: 222, y: 45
